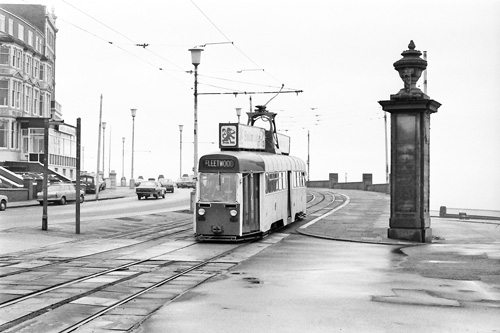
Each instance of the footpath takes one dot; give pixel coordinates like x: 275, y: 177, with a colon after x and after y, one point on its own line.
x: 340, y: 273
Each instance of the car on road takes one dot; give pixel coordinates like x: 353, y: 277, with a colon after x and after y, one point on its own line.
x: 167, y: 184
x: 3, y: 202
x: 61, y: 193
x: 150, y: 188
x: 186, y: 182
x: 89, y: 182
x: 138, y: 181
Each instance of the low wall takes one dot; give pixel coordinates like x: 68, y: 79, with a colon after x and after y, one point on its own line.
x: 318, y: 183
x: 15, y: 194
x: 382, y: 188
x: 365, y: 185
x: 350, y: 186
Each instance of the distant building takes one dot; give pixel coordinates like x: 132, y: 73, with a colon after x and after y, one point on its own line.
x: 28, y: 94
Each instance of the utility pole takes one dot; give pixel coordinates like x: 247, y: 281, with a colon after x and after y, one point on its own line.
x: 96, y: 180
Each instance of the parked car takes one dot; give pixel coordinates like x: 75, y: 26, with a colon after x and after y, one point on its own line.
x: 89, y: 182
x: 3, y: 202
x: 168, y: 184
x: 186, y: 182
x: 150, y: 188
x: 61, y: 193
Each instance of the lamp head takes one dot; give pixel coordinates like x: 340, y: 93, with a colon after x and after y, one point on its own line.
x: 181, y: 127
x: 134, y: 112
x: 195, y: 56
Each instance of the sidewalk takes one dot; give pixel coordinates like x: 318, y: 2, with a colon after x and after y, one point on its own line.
x: 109, y: 193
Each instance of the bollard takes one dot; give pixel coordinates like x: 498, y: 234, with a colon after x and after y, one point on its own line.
x: 192, y: 203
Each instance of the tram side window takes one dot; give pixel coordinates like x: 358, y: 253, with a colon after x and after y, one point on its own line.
x: 275, y: 181
x: 299, y: 179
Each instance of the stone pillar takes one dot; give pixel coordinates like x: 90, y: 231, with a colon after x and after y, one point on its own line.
x: 410, y: 111
x: 367, y: 180
x: 333, y: 179
x: 112, y: 177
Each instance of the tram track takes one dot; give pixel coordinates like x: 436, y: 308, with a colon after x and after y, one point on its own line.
x: 173, y: 270
x: 147, y: 235
x: 138, y: 273
x: 111, y: 286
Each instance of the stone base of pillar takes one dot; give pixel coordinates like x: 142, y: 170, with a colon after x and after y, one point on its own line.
x: 415, y: 235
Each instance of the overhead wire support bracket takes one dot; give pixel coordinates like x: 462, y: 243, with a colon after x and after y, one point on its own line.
x: 253, y: 92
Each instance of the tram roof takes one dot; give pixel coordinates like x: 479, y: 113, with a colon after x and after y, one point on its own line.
x: 247, y: 161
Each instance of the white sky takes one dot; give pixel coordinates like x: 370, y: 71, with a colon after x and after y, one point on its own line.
x: 340, y: 53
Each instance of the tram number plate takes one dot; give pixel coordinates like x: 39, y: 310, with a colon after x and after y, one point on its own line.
x: 229, y: 164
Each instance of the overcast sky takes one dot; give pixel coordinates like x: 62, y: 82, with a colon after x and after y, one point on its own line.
x: 340, y: 53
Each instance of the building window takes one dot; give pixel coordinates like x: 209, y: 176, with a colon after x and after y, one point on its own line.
x: 4, y: 92
x: 27, y: 99
x: 16, y: 94
x: 4, y: 55
x: 11, y: 27
x: 42, y: 71
x: 20, y: 32
x: 28, y: 64
x: 36, y: 140
x: 4, y: 133
x: 42, y: 103
x: 30, y: 38
x: 36, y: 105
x: 14, y: 141
x: 2, y: 23
x: 49, y: 74
x: 36, y: 64
x: 16, y: 58
x: 25, y: 137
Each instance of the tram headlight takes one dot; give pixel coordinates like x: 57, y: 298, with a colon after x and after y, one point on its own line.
x: 201, y: 211
x: 233, y: 212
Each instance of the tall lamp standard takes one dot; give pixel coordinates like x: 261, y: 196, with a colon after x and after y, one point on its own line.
x: 195, y: 60
x: 180, y: 151
x: 103, y: 124
x: 132, y: 181
x: 238, y: 113
x: 123, y: 181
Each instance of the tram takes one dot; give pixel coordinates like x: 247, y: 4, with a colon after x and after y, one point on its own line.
x: 252, y: 186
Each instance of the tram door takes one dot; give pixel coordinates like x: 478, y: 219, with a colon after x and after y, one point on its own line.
x: 251, y: 207
x: 289, y: 189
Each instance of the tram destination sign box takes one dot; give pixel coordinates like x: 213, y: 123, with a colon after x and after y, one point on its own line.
x: 240, y: 136
x: 237, y: 136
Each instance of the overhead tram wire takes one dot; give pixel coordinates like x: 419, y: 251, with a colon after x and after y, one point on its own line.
x: 234, y: 45
x: 144, y: 45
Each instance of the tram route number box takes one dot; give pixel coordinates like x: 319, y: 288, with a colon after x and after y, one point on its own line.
x: 239, y: 136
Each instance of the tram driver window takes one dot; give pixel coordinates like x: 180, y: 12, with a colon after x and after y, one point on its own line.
x: 218, y: 187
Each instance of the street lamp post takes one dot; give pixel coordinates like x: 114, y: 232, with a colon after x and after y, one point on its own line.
x: 103, y: 145
x: 132, y: 181
x: 180, y: 151
x: 123, y: 181
x: 195, y: 60
x: 238, y: 113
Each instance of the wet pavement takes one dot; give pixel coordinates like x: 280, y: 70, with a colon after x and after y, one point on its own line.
x: 340, y: 273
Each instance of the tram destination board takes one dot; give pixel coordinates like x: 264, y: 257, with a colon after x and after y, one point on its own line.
x: 219, y: 163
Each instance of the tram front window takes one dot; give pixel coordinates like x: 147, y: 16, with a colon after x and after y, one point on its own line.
x: 218, y: 187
